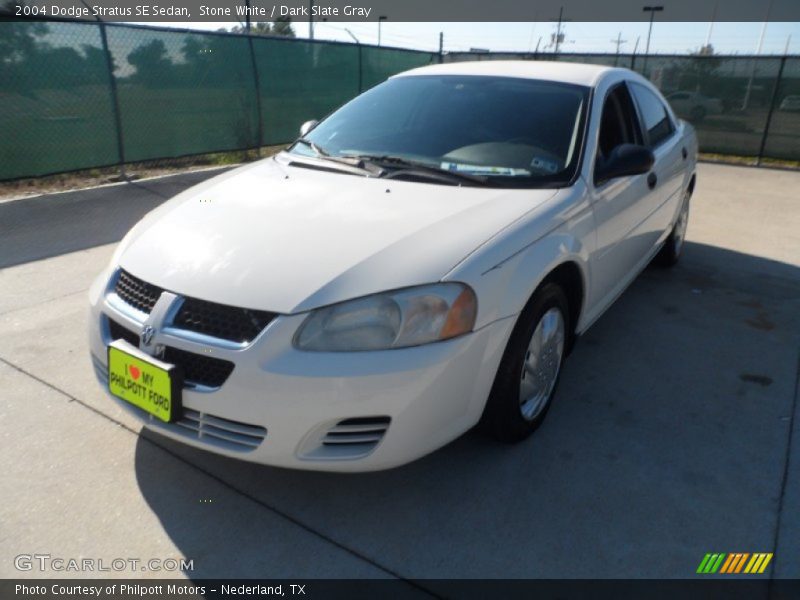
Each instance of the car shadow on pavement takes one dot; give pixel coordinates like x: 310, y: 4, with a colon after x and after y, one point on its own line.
x: 54, y: 224
x: 667, y: 438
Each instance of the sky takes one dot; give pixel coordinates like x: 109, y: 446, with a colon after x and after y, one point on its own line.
x: 667, y: 38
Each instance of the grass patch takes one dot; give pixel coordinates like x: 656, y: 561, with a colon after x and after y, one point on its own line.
x: 750, y: 161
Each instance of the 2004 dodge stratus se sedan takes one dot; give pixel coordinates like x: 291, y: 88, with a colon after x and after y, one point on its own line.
x: 418, y: 262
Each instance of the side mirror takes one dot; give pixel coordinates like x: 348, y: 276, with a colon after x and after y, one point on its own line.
x: 625, y: 159
x: 307, y: 126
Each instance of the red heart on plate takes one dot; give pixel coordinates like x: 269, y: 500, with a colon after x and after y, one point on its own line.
x: 134, y: 371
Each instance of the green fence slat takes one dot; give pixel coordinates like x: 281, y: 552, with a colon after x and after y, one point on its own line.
x: 182, y: 93
x: 55, y: 103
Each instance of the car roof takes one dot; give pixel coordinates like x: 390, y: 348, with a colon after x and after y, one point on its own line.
x: 563, y: 72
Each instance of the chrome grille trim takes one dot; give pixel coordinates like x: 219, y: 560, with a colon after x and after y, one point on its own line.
x: 209, y: 322
x: 202, y: 373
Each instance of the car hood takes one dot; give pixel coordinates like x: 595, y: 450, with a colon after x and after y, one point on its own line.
x: 287, y: 239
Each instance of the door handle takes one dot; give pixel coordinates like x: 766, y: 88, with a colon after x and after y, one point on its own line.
x: 652, y: 180
x: 684, y: 153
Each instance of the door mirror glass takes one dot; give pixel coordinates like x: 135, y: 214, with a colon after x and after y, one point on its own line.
x: 624, y: 160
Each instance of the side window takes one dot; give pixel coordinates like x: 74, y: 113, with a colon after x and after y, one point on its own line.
x: 618, y: 123
x: 655, y: 118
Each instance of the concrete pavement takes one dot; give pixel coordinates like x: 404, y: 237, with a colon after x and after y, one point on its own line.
x: 669, y: 438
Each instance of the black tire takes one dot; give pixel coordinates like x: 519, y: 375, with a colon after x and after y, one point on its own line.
x: 503, y: 417
x: 670, y: 253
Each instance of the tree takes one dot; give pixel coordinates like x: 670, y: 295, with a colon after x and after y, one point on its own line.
x: 282, y: 26
x: 153, y: 66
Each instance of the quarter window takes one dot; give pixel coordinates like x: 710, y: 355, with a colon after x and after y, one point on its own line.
x: 655, y: 117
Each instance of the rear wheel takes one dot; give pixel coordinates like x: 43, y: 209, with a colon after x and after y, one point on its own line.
x: 528, y: 375
x: 671, y: 251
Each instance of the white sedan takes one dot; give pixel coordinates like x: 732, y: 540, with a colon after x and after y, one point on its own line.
x: 420, y: 261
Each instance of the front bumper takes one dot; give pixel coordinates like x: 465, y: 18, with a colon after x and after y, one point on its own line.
x: 359, y: 411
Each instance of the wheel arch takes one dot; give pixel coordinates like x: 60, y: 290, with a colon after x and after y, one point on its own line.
x: 569, y: 277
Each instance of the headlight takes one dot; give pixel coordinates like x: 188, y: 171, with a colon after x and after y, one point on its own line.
x: 408, y: 317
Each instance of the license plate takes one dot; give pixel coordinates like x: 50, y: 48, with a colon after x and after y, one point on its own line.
x: 144, y: 381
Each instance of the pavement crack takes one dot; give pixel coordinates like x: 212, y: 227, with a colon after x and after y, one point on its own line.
x: 273, y: 509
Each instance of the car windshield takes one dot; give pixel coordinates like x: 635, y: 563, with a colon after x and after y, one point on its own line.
x: 507, y: 131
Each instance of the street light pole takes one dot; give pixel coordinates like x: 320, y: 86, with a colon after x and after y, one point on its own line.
x: 381, y: 19
x: 311, y: 19
x: 652, y: 10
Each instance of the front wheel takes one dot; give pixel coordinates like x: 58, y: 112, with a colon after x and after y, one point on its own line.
x: 528, y: 374
x: 671, y: 251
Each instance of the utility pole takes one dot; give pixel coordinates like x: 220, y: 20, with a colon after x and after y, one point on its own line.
x: 311, y: 19
x: 247, y: 16
x: 619, y: 41
x: 557, y: 37
x: 558, y: 29
x: 711, y: 24
x: 441, y: 46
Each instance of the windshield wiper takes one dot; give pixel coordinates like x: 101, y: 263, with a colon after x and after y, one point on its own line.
x: 403, y: 166
x: 350, y: 161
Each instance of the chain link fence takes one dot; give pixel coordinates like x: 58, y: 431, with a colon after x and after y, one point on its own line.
x: 80, y: 95
x: 740, y: 105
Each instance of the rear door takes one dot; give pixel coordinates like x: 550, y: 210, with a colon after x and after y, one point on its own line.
x: 662, y: 137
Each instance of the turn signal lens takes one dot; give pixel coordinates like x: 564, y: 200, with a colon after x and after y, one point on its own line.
x: 461, y: 318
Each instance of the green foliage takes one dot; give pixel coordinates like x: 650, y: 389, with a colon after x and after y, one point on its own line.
x: 282, y: 27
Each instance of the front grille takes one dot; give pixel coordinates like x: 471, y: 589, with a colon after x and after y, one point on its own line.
x: 118, y: 332
x: 221, y: 321
x: 197, y: 369
x: 217, y: 320
x: 139, y: 294
x: 363, y: 432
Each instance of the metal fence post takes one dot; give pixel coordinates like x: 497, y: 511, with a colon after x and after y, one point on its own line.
x: 257, y: 83
x: 360, y: 69
x: 772, y: 102
x: 112, y: 83
x: 633, y: 62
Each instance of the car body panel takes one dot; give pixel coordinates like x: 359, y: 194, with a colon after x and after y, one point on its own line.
x: 288, y: 239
